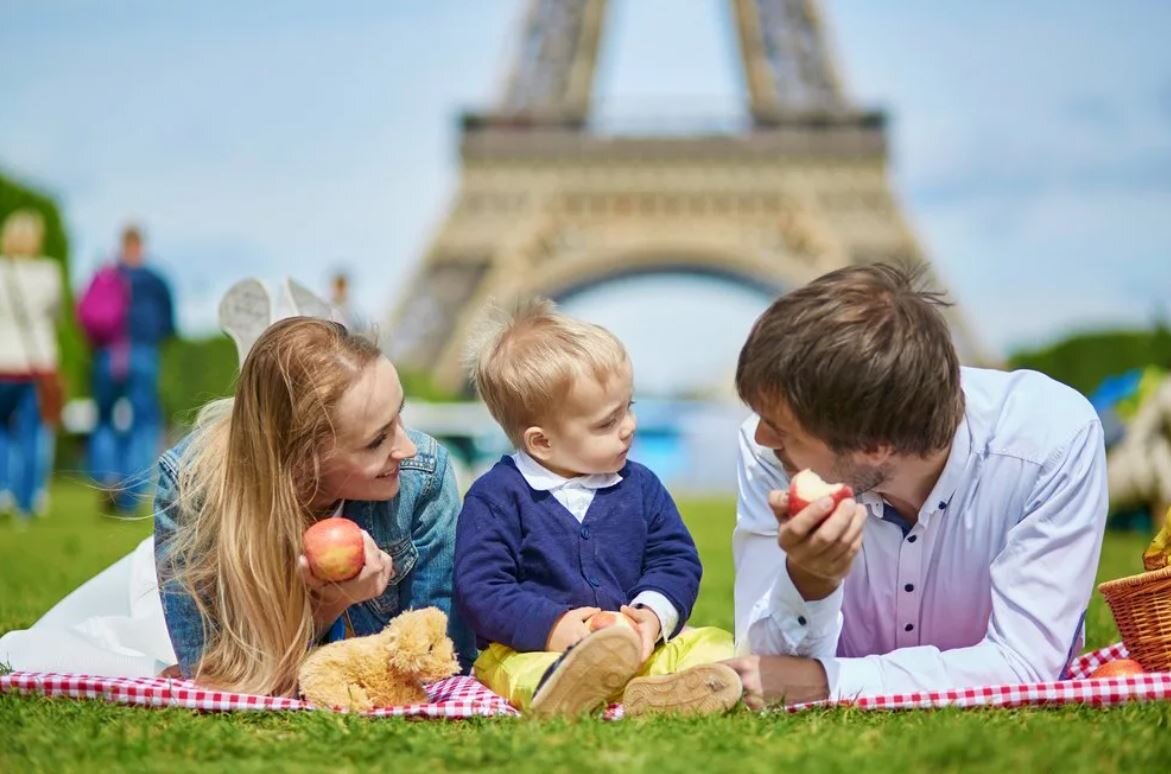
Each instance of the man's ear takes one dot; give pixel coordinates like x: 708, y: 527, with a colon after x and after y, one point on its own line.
x: 877, y: 455
x: 537, y: 444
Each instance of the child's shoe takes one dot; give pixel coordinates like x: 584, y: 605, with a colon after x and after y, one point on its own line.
x: 701, y: 690
x: 588, y: 674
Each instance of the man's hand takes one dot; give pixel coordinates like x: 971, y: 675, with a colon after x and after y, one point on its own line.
x: 771, y: 680
x: 820, y: 542
x: 330, y: 599
x: 649, y: 627
x: 570, y: 629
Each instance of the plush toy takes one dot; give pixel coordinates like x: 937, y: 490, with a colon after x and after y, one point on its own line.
x: 384, y: 669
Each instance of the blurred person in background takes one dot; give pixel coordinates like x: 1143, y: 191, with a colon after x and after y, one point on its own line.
x: 30, y: 388
x: 339, y: 299
x: 126, y: 313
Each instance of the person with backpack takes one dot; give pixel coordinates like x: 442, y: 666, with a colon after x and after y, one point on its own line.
x: 126, y: 313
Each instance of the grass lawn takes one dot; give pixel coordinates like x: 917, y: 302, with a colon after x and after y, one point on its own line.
x: 41, y: 562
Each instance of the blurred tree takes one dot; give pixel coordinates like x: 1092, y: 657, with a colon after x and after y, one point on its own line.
x: 193, y: 372
x: 1084, y: 360
x: 74, y: 356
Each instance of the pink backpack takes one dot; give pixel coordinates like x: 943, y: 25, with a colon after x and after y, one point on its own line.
x: 102, y: 309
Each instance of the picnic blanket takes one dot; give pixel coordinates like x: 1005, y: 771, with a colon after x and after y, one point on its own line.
x: 464, y: 697
x: 455, y: 697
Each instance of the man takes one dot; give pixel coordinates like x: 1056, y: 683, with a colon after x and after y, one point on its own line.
x: 122, y: 453
x: 969, y: 553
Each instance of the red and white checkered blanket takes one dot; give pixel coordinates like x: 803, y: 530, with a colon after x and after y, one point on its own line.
x: 1079, y: 689
x: 455, y: 697
x: 463, y: 697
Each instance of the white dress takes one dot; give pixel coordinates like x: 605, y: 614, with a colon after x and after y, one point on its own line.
x: 112, y: 625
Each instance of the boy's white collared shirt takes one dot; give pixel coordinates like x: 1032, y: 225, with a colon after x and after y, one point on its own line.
x: 577, y: 494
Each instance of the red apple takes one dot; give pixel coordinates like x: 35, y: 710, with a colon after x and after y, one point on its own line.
x: 335, y: 549
x: 1120, y: 667
x: 608, y: 618
x: 807, y: 487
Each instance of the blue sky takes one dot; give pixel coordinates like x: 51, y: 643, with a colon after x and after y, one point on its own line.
x: 1031, y: 145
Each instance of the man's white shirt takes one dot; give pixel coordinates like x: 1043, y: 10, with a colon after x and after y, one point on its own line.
x: 989, y: 586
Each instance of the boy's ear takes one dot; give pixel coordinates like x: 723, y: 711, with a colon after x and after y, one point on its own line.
x: 537, y: 444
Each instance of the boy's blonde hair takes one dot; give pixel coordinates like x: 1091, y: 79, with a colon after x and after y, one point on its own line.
x: 524, y: 361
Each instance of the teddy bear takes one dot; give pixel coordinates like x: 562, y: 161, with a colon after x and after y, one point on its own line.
x: 383, y: 669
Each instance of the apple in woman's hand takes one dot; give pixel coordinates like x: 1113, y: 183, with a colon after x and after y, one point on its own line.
x: 335, y: 549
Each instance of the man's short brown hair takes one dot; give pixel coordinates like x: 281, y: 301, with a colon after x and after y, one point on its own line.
x: 862, y: 357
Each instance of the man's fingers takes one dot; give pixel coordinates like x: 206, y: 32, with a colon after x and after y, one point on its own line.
x: 778, y: 501
x: 857, y: 524
x: 805, y: 522
x: 838, y: 558
x: 748, y: 668
x: 835, y: 525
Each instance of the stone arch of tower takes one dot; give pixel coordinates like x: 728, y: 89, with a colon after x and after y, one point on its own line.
x: 545, y: 203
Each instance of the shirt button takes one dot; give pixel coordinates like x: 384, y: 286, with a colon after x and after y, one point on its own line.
x: 801, y: 620
x: 912, y: 538
x: 909, y: 587
x: 593, y: 581
x: 909, y: 627
x: 585, y: 533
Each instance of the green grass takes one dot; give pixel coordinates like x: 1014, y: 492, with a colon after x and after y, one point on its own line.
x: 41, y: 562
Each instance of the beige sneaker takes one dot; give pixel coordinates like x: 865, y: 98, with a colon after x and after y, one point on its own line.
x: 702, y: 690
x: 588, y: 674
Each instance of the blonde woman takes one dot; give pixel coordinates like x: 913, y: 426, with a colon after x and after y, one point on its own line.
x: 314, y: 429
x: 30, y: 297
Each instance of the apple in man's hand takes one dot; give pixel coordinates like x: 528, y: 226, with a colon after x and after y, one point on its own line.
x: 807, y: 487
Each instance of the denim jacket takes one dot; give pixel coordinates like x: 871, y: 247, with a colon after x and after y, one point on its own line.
x: 416, y: 527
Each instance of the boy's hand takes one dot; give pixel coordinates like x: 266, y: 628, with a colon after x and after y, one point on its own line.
x: 570, y: 629
x: 649, y: 627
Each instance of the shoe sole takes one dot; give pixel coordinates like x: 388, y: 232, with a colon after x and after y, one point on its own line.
x: 701, y: 690
x: 593, y: 671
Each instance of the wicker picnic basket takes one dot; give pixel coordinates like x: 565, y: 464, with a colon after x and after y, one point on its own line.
x: 1142, y: 609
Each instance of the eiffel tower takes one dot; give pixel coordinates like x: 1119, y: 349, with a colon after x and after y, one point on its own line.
x: 547, y: 206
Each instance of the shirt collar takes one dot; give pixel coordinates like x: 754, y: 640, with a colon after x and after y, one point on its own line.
x: 954, y: 472
x: 538, y: 477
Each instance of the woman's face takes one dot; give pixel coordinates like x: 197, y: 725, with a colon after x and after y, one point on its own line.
x: 369, y: 441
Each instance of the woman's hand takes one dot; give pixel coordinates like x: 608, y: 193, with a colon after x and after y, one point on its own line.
x: 330, y: 599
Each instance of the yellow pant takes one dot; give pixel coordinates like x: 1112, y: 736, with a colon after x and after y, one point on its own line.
x: 515, y: 676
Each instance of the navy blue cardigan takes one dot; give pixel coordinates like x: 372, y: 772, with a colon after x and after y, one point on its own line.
x: 522, y: 560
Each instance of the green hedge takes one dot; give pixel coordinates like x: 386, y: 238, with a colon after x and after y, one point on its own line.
x: 193, y: 372
x: 1084, y: 360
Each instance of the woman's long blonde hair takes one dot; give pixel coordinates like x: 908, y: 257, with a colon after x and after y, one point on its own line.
x: 246, y: 486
